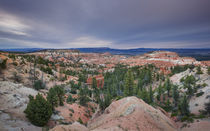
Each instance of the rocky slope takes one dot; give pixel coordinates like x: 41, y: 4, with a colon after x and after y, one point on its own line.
x: 129, y: 113
x: 196, y: 103
x: 13, y: 101
x: 73, y: 127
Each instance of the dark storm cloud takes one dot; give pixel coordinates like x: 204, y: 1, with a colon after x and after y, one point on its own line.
x: 113, y: 23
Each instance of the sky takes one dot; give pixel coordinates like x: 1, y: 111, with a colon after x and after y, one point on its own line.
x: 118, y: 24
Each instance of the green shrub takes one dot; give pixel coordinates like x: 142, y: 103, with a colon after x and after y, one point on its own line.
x: 178, y: 69
x: 92, y: 108
x: 15, y: 63
x: 199, y: 71
x: 80, y: 121
x: 199, y: 116
x: 209, y: 70
x: 199, y: 94
x: 38, y: 85
x: 12, y: 56
x: 83, y: 98
x: 38, y: 110
x: 3, y: 64
x: 174, y: 114
x: 73, y: 91
x: 52, y: 98
x: 187, y: 118
x: 70, y: 99
x: 204, y: 85
x: 47, y: 70
x: 56, y: 96
x: 207, y: 108
x: 72, y: 110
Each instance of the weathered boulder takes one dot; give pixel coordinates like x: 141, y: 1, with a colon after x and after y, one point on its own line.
x: 131, y: 113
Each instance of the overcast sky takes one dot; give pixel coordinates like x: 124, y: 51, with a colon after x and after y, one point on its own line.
x: 105, y: 23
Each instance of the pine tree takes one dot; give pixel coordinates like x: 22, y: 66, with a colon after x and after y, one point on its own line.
x: 184, y: 107
x: 209, y: 70
x: 207, y: 107
x: 106, y: 101
x: 38, y: 84
x: 144, y: 95
x: 38, y: 110
x: 150, y: 95
x: 129, y: 83
x: 189, y: 83
x: 56, y: 96
x: 140, y: 84
x: 96, y: 92
x: 83, y: 97
x: 175, y: 95
x: 52, y: 98
x: 60, y: 93
x: 159, y: 92
x: 3, y: 64
x: 199, y: 71
x: 135, y: 89
x: 157, y: 77
x: 167, y: 86
x: 168, y: 105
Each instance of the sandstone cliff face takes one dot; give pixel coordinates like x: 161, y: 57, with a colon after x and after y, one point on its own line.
x: 129, y: 113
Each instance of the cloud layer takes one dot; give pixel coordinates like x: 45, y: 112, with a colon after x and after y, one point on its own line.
x: 108, y: 23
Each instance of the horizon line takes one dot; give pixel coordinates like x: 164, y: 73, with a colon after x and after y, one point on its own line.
x: 101, y: 48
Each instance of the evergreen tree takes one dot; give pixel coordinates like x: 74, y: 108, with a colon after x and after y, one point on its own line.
x: 38, y: 110
x: 129, y: 83
x: 60, y: 93
x: 96, y: 91
x: 189, y: 83
x: 70, y: 99
x: 144, y: 95
x: 150, y: 95
x: 157, y: 77
x: 52, y: 98
x: 207, y: 108
x: 140, y: 84
x: 159, y: 92
x: 56, y: 96
x: 175, y: 95
x: 135, y: 89
x: 184, y: 106
x: 83, y: 97
x: 168, y: 105
x: 105, y: 102
x: 167, y: 86
x: 38, y: 84
x: 94, y: 83
x: 3, y: 64
x: 209, y: 70
x: 199, y: 71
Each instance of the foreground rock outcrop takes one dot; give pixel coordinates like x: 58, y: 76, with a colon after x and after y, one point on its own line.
x: 13, y: 101
x: 129, y: 113
x: 73, y: 127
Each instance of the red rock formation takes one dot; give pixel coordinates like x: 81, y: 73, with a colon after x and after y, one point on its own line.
x: 206, y: 63
x: 161, y: 59
x: 99, y: 80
